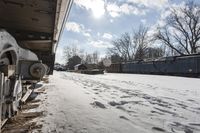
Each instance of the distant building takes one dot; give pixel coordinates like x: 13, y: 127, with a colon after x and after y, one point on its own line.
x: 59, y: 67
x: 80, y: 67
x: 91, y: 66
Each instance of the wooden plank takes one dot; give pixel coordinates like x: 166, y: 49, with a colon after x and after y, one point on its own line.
x: 25, y: 97
x: 3, y: 122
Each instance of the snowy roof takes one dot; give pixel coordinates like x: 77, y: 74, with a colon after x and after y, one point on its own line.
x: 79, y: 65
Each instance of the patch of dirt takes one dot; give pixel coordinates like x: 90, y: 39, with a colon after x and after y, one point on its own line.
x: 23, y: 122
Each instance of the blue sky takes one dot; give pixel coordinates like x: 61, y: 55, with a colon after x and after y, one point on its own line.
x: 93, y: 24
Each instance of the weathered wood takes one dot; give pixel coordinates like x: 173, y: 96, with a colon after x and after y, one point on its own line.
x: 25, y: 97
x: 3, y: 122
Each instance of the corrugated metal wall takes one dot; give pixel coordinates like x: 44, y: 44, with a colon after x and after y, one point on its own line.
x: 188, y: 65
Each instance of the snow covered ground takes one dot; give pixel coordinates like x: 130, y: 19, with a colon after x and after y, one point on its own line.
x: 120, y: 103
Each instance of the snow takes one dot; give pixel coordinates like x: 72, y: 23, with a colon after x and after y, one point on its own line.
x: 120, y: 103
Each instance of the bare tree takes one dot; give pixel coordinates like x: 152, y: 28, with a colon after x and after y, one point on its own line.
x: 141, y: 42
x: 95, y: 57
x: 88, y: 59
x: 70, y: 51
x: 182, y: 30
x: 155, y: 52
x: 123, y: 47
x: 129, y: 48
x: 115, y: 58
x: 82, y: 55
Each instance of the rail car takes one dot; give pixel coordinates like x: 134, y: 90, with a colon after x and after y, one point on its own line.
x: 176, y: 65
x: 114, y: 68
x: 29, y: 34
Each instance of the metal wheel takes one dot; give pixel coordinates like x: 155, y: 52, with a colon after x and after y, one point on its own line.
x: 10, y: 85
x: 17, y: 95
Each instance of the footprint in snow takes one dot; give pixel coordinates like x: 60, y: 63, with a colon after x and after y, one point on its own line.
x: 158, y: 129
x: 123, y: 117
x: 98, y: 104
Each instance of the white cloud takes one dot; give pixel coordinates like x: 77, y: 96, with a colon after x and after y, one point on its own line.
x: 100, y: 44
x: 150, y: 3
x: 113, y: 9
x: 96, y: 6
x: 78, y: 28
x: 107, y: 36
x: 74, y: 27
x: 86, y: 34
x: 116, y: 10
x: 129, y: 9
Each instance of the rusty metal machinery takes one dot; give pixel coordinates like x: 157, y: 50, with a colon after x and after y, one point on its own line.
x: 29, y: 35
x: 36, y: 25
x: 32, y: 70
x: 11, y: 83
